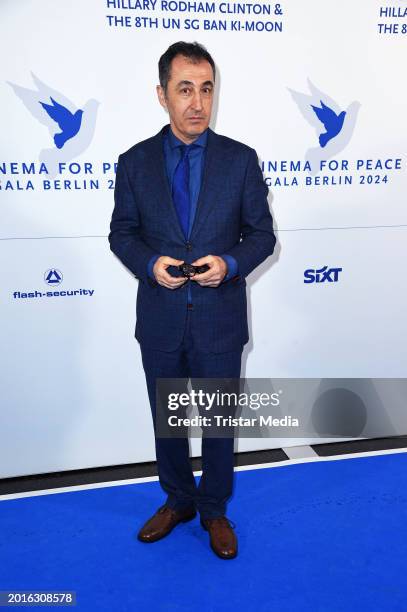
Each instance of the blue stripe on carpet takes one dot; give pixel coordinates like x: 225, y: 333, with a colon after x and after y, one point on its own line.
x: 322, y: 536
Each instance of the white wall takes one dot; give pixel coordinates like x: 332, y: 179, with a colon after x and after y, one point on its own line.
x: 73, y: 389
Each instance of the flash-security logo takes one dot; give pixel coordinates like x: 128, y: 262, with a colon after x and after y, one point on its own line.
x: 71, y: 128
x: 333, y: 125
x: 53, y: 276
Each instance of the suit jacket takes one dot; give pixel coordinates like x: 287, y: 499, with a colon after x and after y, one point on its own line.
x: 232, y: 217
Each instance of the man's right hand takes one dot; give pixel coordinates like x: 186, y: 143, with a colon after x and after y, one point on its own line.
x: 161, y: 275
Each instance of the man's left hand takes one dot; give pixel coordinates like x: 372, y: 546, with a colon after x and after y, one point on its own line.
x: 214, y: 276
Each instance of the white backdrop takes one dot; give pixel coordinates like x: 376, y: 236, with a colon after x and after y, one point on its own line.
x: 73, y: 388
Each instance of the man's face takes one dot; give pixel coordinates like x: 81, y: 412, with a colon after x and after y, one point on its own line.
x: 189, y: 97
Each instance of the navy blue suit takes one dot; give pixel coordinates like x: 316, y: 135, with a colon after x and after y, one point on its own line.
x: 200, y: 331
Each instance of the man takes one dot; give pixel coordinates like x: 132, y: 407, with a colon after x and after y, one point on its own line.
x: 189, y: 195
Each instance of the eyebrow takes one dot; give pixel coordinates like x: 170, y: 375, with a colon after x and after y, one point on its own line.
x: 182, y: 83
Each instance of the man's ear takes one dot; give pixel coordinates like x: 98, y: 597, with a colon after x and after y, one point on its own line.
x: 161, y: 96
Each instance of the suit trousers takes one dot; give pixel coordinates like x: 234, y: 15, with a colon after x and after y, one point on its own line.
x: 173, y: 462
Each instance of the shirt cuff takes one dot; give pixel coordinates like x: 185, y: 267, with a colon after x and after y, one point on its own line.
x: 232, y: 266
x: 150, y: 266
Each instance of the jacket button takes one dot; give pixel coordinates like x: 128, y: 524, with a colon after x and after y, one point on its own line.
x: 189, y: 246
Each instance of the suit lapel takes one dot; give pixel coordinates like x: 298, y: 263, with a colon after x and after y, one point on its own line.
x: 213, y: 161
x: 211, y: 175
x: 160, y: 177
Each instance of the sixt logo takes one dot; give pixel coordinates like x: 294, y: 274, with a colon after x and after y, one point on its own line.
x: 71, y: 128
x: 333, y: 125
x: 323, y: 274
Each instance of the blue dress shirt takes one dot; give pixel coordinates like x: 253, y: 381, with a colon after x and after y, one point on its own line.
x: 172, y: 154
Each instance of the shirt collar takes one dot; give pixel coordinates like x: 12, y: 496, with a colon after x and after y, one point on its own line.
x: 176, y: 142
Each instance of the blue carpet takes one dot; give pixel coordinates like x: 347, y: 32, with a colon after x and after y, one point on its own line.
x: 325, y: 536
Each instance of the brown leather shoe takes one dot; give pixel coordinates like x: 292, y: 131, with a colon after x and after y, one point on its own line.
x: 163, y: 522
x: 222, y: 537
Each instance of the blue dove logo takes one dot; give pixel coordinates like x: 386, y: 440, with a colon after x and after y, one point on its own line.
x: 52, y: 109
x: 69, y: 123
x: 331, y: 121
x: 318, y: 108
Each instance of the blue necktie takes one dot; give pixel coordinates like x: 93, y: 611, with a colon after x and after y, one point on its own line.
x: 180, y: 189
